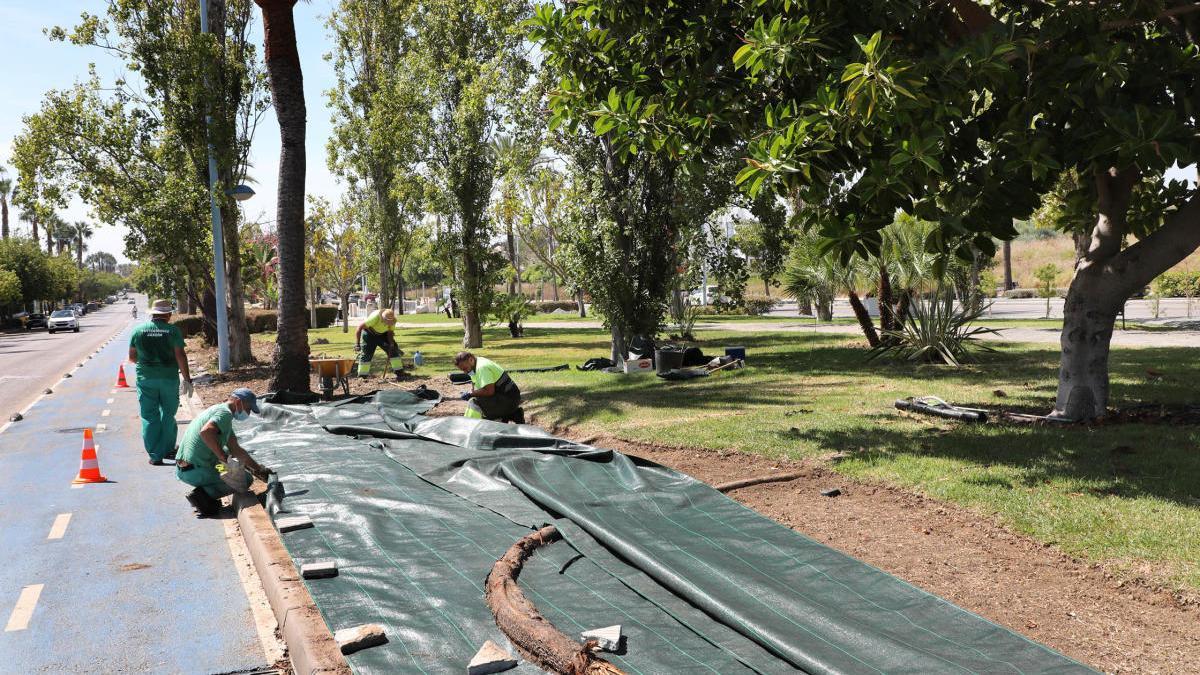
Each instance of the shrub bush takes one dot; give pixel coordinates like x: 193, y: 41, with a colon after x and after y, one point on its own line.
x: 757, y: 305
x: 1182, y: 284
x: 188, y: 324
x: 262, y: 320
x: 326, y: 315
x: 547, y: 306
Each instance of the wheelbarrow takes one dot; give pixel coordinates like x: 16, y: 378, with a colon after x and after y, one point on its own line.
x: 333, y: 372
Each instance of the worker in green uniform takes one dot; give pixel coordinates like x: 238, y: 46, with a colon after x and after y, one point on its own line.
x: 493, y: 395
x: 156, y: 347
x: 378, y: 330
x: 210, y: 458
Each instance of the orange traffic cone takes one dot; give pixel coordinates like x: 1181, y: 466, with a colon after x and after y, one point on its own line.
x: 89, y: 466
x: 121, y: 383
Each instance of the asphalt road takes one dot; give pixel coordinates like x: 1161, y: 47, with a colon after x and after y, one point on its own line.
x: 111, y: 577
x: 32, y: 361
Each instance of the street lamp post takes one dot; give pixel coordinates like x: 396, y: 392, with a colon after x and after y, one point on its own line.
x: 218, y: 240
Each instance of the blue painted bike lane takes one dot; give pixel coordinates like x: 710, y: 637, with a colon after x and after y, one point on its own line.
x: 117, y: 576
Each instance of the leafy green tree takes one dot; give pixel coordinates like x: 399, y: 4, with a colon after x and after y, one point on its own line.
x: 379, y: 124
x: 1047, y: 276
x: 10, y: 287
x: 289, y: 363
x: 25, y: 259
x: 471, y: 62
x: 136, y: 150
x: 6, y: 186
x: 959, y: 113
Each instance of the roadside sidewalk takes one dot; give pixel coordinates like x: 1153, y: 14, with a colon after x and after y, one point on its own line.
x: 117, y: 576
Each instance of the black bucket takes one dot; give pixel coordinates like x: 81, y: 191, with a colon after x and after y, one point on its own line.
x: 666, y: 360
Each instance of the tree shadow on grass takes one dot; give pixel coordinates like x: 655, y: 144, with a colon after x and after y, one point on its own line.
x: 1130, y: 461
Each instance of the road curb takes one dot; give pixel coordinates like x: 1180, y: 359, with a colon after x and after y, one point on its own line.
x: 310, y: 643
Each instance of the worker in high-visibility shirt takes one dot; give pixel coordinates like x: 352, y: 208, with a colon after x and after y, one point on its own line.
x: 493, y: 394
x: 378, y: 330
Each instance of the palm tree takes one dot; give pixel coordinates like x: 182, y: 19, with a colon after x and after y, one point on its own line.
x: 82, y: 232
x: 5, y: 189
x: 58, y: 233
x: 290, y: 360
x: 30, y: 216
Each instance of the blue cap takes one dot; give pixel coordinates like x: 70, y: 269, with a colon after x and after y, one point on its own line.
x: 246, y: 396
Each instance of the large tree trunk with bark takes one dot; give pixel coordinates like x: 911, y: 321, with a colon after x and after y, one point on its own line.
x: 1008, y: 280
x: 1105, y: 276
x: 864, y: 319
x: 290, y: 360
x: 239, y: 332
x: 4, y: 215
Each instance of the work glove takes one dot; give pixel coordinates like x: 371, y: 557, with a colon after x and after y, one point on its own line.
x: 186, y: 388
x: 466, y: 396
x: 357, y: 347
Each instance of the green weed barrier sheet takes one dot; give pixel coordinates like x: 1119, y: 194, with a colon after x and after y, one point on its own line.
x: 417, y: 509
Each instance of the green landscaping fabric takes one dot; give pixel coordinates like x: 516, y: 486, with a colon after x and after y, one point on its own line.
x: 417, y: 509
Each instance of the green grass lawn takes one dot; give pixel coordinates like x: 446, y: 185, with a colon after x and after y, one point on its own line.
x: 1125, y: 495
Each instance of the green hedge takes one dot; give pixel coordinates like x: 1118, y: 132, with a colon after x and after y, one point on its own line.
x: 547, y: 306
x: 188, y: 324
x: 1177, y: 285
x: 257, y: 320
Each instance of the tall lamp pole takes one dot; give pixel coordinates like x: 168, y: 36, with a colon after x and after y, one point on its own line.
x: 218, y: 238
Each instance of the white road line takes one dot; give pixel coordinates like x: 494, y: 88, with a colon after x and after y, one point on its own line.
x: 59, y: 528
x: 110, y: 400
x: 23, y: 611
x: 105, y: 413
x: 101, y: 427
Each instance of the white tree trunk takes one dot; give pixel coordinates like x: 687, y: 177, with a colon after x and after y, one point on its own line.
x: 1088, y: 318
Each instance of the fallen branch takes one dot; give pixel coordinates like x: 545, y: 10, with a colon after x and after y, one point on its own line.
x: 758, y: 480
x: 517, y: 618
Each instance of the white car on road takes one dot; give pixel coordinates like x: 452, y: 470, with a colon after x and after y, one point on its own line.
x: 63, y: 319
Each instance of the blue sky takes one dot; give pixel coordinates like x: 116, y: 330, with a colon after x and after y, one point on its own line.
x: 30, y: 65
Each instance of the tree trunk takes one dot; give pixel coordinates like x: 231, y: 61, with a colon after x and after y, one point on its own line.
x: 4, y: 216
x: 974, y: 295
x: 887, y: 317
x: 554, y: 285
x: 33, y: 223
x: 384, y: 298
x: 235, y: 314
x: 619, y: 351
x: 582, y: 307
x: 290, y: 360
x: 399, y: 291
x: 50, y: 239
x: 472, y: 331
x: 513, y: 283
x: 766, y: 287
x: 312, y: 305
x: 824, y: 308
x: 345, y: 312
x: 1008, y: 280
x: 864, y: 319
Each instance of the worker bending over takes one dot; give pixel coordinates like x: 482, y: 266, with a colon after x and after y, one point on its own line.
x: 378, y: 330
x: 494, y: 396
x: 210, y: 458
x: 156, y: 347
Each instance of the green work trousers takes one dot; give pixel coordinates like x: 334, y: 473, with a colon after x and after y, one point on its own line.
x: 386, y: 342
x: 158, y: 399
x: 207, y: 479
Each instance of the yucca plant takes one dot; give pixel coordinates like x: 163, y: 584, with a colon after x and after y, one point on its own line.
x: 936, y: 330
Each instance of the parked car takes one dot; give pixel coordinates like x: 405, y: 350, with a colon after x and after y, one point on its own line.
x: 93, y: 306
x: 129, y: 302
x: 696, y: 297
x: 110, y: 299
x: 80, y: 308
x: 63, y: 319
x: 35, y: 321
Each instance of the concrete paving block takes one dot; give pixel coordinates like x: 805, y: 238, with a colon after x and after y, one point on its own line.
x: 490, y: 658
x: 319, y: 569
x: 607, y: 638
x: 351, y: 640
x: 293, y: 523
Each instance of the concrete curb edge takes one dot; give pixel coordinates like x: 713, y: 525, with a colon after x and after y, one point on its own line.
x: 310, y: 643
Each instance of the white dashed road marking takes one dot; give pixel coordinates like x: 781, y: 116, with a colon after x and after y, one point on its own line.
x: 59, y: 528
x: 110, y: 400
x: 23, y: 612
x: 105, y: 413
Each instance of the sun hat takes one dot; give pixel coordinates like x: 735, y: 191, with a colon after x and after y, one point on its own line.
x: 162, y: 307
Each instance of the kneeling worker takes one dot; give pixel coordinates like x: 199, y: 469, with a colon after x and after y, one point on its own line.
x: 493, y: 396
x: 377, y: 330
x: 206, y: 451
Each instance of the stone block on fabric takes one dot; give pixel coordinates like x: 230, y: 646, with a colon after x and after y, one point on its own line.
x: 608, y: 638
x: 490, y: 658
x: 293, y: 523
x: 357, y: 638
x: 319, y: 569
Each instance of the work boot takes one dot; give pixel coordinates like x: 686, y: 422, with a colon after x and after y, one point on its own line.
x: 171, y: 455
x: 206, y: 506
x: 518, y: 417
x: 155, y: 462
